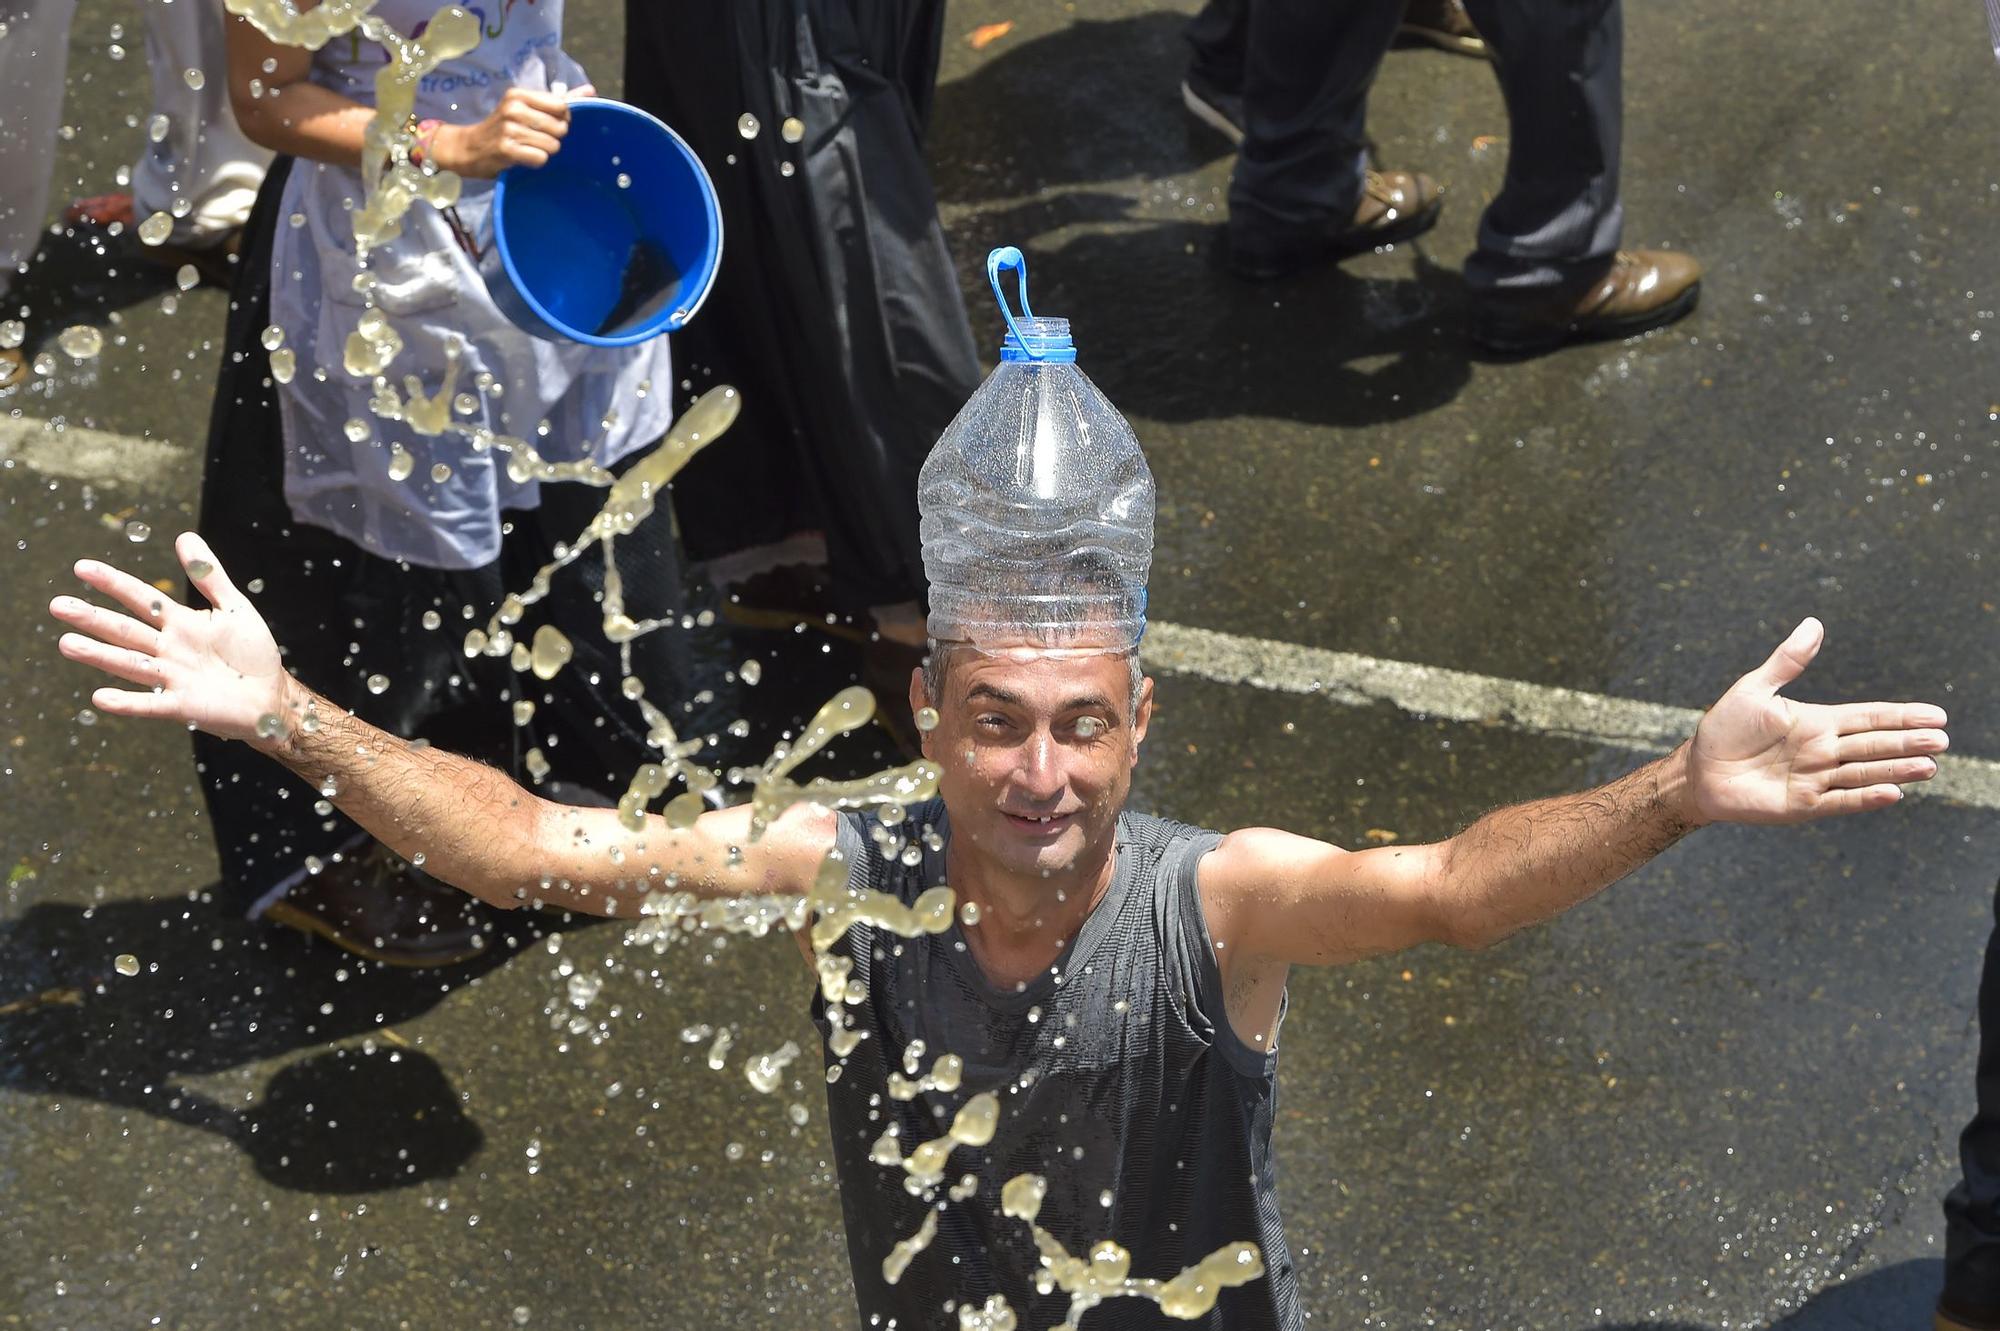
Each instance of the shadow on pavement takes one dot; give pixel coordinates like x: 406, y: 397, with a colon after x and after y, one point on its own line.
x: 81, y: 275
x: 215, y: 994
x: 1091, y: 101
x: 1163, y: 330
x: 1170, y: 338
x: 1895, y: 1298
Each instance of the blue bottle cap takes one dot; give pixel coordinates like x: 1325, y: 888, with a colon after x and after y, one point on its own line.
x: 1043, y: 341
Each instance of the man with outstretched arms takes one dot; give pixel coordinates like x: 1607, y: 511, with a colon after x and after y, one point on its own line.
x: 1110, y: 987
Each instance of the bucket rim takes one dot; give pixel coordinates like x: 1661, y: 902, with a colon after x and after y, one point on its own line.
x: 711, y: 204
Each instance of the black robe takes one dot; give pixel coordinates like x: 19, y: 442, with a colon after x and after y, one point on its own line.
x: 837, y: 312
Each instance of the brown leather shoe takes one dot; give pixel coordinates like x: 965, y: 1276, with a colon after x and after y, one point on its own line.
x: 376, y: 907
x: 1395, y: 205
x: 1443, y: 24
x: 1641, y: 289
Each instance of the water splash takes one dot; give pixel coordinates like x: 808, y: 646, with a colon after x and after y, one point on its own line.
x: 1106, y: 1273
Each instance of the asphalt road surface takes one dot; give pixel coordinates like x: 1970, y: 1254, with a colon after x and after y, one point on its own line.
x: 1724, y: 1094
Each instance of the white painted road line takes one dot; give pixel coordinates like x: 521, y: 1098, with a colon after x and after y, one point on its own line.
x: 115, y: 460
x: 77, y: 453
x: 1458, y: 695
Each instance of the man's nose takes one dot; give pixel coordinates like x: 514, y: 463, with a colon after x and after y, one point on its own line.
x: 1040, y: 774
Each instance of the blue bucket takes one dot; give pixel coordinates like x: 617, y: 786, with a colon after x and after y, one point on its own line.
x: 578, y: 255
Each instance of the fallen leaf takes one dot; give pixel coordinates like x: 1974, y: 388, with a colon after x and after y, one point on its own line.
x: 986, y: 34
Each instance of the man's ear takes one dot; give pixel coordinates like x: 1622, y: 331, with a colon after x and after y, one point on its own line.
x: 1142, y: 716
x: 917, y: 702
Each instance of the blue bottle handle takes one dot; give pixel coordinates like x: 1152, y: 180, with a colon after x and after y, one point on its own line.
x: 1007, y: 256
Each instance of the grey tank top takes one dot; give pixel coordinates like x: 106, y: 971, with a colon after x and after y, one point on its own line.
x: 1119, y: 1080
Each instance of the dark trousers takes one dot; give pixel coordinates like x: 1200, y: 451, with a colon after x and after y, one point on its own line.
x: 1306, y: 69
x: 344, y: 617
x: 1972, y: 1209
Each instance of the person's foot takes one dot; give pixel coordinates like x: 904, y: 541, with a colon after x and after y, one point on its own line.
x: 1640, y: 290
x: 1443, y: 24
x: 102, y: 210
x: 378, y: 908
x: 1218, y: 107
x: 1395, y: 206
x: 787, y: 596
x: 212, y: 258
x: 1949, y: 1318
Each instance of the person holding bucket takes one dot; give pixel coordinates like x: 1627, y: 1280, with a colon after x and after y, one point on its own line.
x: 376, y: 546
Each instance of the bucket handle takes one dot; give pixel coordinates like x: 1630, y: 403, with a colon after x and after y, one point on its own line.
x: 1002, y: 258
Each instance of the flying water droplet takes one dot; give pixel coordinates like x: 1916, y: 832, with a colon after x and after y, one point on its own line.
x: 793, y: 129
x: 136, y: 532
x: 155, y: 229
x: 378, y: 683
x: 80, y: 341
x: 12, y: 333
x: 127, y: 964
x: 194, y: 78
x: 187, y: 277
x: 747, y: 125
x: 157, y: 127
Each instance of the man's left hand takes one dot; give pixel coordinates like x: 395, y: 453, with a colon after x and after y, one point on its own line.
x: 1758, y: 757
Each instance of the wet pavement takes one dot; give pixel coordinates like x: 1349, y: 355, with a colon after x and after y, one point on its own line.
x: 1724, y: 1094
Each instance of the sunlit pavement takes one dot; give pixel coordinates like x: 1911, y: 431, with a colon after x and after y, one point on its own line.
x: 1725, y: 1094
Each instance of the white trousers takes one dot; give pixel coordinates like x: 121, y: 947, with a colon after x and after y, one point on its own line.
x: 203, y: 171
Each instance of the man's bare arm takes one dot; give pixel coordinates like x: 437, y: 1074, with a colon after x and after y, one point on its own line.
x: 1299, y: 901
x: 474, y: 827
x: 1757, y: 757
x: 477, y: 829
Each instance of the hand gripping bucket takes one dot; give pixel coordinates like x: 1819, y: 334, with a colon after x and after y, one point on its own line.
x: 615, y: 240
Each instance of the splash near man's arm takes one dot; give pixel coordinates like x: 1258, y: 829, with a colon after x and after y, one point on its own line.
x: 467, y: 824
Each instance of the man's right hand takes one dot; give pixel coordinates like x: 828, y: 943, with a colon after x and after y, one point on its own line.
x: 215, y: 669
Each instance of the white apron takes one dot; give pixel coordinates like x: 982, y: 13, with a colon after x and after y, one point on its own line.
x: 432, y: 294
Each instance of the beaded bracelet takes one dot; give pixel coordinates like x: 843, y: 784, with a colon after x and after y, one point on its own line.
x: 426, y: 132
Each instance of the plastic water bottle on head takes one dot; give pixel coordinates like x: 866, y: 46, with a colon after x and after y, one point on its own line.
x: 1036, y: 504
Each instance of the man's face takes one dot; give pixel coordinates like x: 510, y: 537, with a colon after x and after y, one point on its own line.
x: 1036, y: 753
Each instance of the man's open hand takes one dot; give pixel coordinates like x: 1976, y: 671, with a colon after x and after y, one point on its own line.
x: 216, y: 669
x: 1761, y: 758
